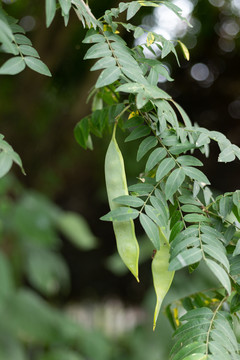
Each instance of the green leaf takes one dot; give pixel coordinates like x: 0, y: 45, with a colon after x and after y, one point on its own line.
x: 153, y: 76
x: 174, y: 181
x: 138, y: 133
x: 196, y: 218
x: 184, y: 116
x: 22, y: 40
x: 196, y: 174
x: 76, y: 229
x: 185, y: 258
x: 227, y: 155
x: 203, y: 139
x: 28, y: 50
x: 145, y: 146
x: 121, y: 214
x: 50, y: 8
x: 130, y: 88
x: 6, y: 38
x: 37, y: 65
x: 217, y: 255
x: 191, y: 348
x: 65, y: 5
x: 108, y: 76
x: 103, y: 63
x: 191, y: 208
x: 150, y: 229
x: 13, y: 66
x: 98, y: 51
x: 154, y: 214
x: 17, y: 29
x: 5, y: 163
x: 141, y: 99
x: 138, y: 32
x: 178, y: 246
x: 235, y: 303
x: 134, y: 121
x: 207, y: 195
x: 141, y: 187
x: 133, y: 72
x: 214, y: 242
x: 188, y: 199
x: 208, y: 230
x: 177, y: 228
x: 236, y: 198
x: 6, y: 29
x: 225, y: 206
x: 156, y: 93
x: 155, y: 157
x: 129, y: 200
x: 133, y: 9
x: 159, y: 206
x: 180, y: 148
x: 163, y: 71
x: 237, y: 248
x: 164, y: 167
x: 220, y: 273
x: 81, y: 132
x: 188, y: 160
x: 92, y: 36
x: 196, y: 356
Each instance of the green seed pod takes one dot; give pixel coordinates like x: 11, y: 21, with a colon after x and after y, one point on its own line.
x: 162, y: 278
x: 116, y: 184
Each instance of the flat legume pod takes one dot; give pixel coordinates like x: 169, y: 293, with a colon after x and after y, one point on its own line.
x: 116, y: 184
x: 162, y: 278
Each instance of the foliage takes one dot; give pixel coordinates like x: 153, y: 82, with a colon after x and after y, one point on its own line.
x: 30, y: 243
x: 171, y: 198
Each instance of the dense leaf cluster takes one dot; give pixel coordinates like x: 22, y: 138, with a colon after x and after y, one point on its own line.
x: 172, y: 194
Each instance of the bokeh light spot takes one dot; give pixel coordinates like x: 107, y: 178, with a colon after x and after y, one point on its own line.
x: 234, y: 109
x: 28, y: 23
x: 217, y: 3
x: 200, y: 72
x: 226, y: 45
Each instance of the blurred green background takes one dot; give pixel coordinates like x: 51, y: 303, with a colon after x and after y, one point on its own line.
x: 64, y: 294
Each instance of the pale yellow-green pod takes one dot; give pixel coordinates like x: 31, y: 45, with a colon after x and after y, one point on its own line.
x: 162, y: 278
x: 116, y: 184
